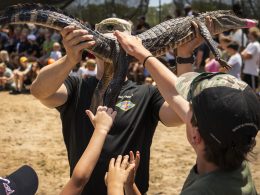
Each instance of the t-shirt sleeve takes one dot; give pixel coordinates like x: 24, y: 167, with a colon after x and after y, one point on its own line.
x: 71, y: 83
x: 156, y: 102
x: 232, y: 61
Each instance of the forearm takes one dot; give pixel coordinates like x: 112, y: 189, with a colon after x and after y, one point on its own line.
x: 115, y: 189
x: 51, y: 77
x: 131, y: 190
x: 165, y: 81
x: 86, y: 164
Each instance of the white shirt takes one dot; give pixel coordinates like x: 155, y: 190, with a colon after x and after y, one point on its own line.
x: 252, y: 64
x: 55, y: 55
x: 237, y: 37
x: 235, y: 61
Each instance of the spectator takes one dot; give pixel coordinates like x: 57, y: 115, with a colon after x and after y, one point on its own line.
x: 251, y: 57
x: 90, y: 68
x: 239, y: 36
x: 224, y: 41
x: 3, y: 39
x: 33, y: 50
x: 211, y: 65
x: 188, y: 10
x: 142, y: 25
x: 56, y: 53
x: 235, y: 60
x: 77, y: 71
x: 47, y: 44
x: 202, y: 54
x: 21, y: 76
x: 23, y: 43
x: 6, y: 77
x: 4, y: 57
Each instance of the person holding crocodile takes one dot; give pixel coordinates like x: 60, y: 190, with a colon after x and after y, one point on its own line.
x: 222, y: 117
x: 139, y: 108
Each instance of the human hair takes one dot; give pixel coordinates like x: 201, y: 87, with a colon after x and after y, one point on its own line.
x: 254, y: 31
x: 226, y: 158
x: 4, y: 56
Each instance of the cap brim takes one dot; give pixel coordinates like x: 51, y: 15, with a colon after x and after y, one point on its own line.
x: 183, y: 83
x: 25, y: 179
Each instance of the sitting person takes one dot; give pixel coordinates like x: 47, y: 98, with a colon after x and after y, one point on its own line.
x: 21, y: 76
x: 90, y: 68
x: 56, y: 53
x: 6, y: 77
x: 222, y: 116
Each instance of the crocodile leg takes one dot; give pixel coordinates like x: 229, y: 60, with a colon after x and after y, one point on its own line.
x: 211, y: 43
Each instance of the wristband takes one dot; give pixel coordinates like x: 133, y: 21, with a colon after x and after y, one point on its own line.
x: 147, y: 59
x: 189, y: 60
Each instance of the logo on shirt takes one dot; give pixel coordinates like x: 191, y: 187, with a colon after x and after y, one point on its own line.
x: 125, y: 105
x: 7, y: 188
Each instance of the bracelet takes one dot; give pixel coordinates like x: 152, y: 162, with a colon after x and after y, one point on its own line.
x: 147, y: 59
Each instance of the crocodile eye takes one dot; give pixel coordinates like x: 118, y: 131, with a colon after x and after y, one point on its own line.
x: 110, y: 27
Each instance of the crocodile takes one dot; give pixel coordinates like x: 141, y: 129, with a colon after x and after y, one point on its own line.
x: 163, y: 37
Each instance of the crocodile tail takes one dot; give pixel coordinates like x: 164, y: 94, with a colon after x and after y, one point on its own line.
x: 38, y: 14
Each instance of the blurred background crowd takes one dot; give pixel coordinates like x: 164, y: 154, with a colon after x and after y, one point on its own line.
x: 25, y: 49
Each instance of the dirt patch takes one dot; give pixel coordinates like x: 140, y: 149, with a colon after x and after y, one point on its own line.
x: 31, y: 134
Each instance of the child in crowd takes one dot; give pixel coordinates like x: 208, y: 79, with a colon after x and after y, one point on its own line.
x: 21, y: 75
x: 6, y: 77
x: 90, y: 68
x: 235, y: 60
x: 121, y: 173
x: 56, y: 53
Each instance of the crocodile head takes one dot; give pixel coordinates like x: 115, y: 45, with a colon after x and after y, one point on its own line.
x: 224, y: 20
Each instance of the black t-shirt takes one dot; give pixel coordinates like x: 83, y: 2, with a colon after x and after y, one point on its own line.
x: 137, y: 117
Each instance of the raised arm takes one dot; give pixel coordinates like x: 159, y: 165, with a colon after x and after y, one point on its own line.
x: 48, y: 87
x: 163, y: 77
x: 102, y: 122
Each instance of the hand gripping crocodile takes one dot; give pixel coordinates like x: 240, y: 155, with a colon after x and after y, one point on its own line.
x: 159, y: 39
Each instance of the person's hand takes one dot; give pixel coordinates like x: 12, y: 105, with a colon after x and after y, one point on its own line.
x: 75, y: 41
x: 132, y: 45
x: 118, y: 171
x: 134, y: 160
x: 103, y: 120
x: 186, y: 50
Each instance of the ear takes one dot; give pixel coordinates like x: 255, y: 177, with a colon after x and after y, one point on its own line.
x: 196, y: 138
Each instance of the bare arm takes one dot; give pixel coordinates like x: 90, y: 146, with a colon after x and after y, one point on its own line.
x: 48, y: 86
x: 83, y: 170
x: 163, y: 77
x: 168, y: 116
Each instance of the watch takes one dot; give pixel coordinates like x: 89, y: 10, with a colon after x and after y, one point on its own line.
x: 189, y: 60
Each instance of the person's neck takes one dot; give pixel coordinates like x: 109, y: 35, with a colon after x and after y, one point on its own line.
x: 204, y: 167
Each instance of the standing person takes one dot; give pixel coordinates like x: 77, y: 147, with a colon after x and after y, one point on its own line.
x: 235, y: 60
x: 222, y: 117
x: 139, y: 108
x: 251, y: 57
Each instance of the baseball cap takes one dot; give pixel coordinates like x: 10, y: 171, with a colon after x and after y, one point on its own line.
x: 225, y: 108
x: 109, y: 25
x: 23, y: 181
x: 23, y: 59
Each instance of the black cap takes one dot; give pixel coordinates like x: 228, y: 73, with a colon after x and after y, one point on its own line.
x: 23, y: 181
x: 227, y: 110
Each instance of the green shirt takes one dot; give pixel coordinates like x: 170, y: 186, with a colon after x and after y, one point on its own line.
x: 237, y: 182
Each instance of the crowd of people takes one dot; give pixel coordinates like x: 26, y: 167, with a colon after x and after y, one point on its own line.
x: 221, y: 112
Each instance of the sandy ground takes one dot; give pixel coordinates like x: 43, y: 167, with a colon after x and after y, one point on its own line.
x: 31, y: 134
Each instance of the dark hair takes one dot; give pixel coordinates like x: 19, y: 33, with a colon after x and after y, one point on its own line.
x: 233, y: 45
x: 226, y: 158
